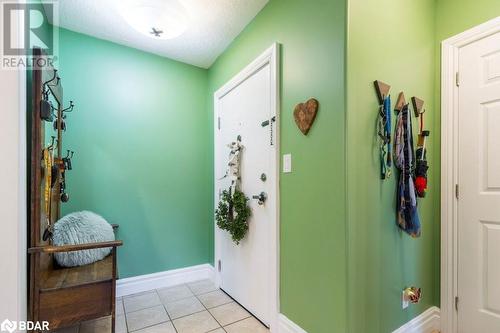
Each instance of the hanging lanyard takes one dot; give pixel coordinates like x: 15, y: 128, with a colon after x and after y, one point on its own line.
x: 47, y: 161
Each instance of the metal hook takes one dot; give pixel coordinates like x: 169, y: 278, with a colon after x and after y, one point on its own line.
x: 69, y: 108
x: 52, y: 142
x: 53, y: 78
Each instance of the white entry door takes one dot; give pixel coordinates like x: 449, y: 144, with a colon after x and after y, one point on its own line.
x: 247, y: 107
x: 479, y: 187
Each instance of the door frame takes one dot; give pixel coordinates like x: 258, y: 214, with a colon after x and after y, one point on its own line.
x: 450, y: 49
x: 270, y: 57
x: 13, y: 205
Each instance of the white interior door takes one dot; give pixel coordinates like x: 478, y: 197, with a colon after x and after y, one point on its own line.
x: 479, y: 181
x: 247, y: 271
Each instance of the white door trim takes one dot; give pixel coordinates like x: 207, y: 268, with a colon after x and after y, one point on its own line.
x: 449, y: 166
x: 270, y: 57
x: 13, y: 205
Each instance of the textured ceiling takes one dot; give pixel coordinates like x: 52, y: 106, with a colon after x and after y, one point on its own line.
x: 213, y: 25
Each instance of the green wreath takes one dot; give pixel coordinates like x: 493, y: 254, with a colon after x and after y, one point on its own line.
x: 232, y: 214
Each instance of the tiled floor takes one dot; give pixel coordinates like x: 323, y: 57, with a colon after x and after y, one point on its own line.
x: 189, y: 308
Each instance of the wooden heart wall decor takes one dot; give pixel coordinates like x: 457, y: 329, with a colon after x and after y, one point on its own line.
x: 305, y: 114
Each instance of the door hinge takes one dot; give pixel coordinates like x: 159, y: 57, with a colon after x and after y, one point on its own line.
x: 457, y: 191
x: 218, y: 123
x: 456, y: 303
x: 219, y: 266
x: 457, y: 79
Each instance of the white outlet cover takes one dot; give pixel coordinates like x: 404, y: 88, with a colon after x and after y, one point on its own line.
x: 287, y: 163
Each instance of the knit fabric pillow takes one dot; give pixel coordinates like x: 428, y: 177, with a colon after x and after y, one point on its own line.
x: 81, y: 228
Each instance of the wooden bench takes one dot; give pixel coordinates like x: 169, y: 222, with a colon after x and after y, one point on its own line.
x: 68, y: 296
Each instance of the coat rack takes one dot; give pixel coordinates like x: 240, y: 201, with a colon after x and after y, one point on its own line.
x: 382, y: 90
x: 401, y: 102
x: 418, y: 105
x: 59, y: 295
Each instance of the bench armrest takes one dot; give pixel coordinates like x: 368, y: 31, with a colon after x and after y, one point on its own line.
x: 71, y: 248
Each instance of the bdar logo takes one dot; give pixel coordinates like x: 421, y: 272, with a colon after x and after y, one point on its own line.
x: 8, y: 326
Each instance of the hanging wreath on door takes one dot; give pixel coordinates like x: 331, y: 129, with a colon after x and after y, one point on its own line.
x: 233, y: 212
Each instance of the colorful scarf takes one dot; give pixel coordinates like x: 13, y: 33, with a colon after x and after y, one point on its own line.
x: 384, y: 133
x: 407, y: 217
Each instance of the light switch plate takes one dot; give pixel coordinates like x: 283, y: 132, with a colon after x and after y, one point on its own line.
x: 287, y: 163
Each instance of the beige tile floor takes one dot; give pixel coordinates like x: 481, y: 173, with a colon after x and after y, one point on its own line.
x: 196, y: 307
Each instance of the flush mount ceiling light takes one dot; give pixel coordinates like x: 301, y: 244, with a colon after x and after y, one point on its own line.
x: 159, y: 19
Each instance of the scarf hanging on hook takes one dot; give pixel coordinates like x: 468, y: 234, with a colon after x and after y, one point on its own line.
x: 384, y: 133
x: 421, y: 155
x: 407, y: 213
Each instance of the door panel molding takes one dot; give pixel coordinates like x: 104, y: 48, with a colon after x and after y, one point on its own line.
x: 269, y: 57
x: 450, y: 81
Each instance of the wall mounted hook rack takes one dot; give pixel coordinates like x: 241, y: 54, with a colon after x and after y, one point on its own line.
x: 382, y: 90
x: 418, y: 105
x: 401, y: 102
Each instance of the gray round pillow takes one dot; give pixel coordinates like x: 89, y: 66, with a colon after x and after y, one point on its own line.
x: 81, y: 228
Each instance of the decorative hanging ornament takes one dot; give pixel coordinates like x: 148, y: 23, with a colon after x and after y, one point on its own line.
x: 233, y: 164
x: 305, y: 114
x: 232, y: 213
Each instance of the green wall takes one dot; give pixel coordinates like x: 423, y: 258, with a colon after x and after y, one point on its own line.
x: 456, y: 16
x: 313, y: 247
x: 343, y: 260
x: 139, y: 130
x: 392, y: 41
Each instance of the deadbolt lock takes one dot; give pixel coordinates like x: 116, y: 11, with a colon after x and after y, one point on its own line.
x: 263, y: 177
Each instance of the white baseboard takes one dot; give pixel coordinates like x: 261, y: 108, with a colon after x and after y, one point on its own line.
x: 428, y: 322
x: 137, y: 284
x: 285, y: 325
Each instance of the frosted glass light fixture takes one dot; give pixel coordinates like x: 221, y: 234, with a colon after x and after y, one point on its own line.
x: 159, y: 19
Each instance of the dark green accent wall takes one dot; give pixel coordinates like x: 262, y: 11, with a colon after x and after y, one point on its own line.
x: 313, y: 231
x: 139, y: 129
x: 392, y: 41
